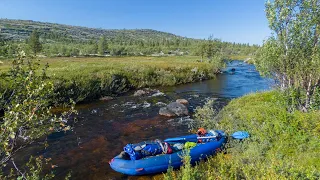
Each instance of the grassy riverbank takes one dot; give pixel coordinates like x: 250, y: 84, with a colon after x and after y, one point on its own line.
x: 84, y: 79
x: 283, y: 145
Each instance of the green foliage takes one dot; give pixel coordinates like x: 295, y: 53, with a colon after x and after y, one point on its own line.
x: 33, y: 170
x: 187, y: 172
x: 3, y: 46
x: 201, y: 51
x: 34, y: 42
x: 103, y: 46
x: 1, y: 39
x: 205, y: 115
x: 292, y: 54
x: 169, y: 175
x: 212, y: 50
x: 26, y: 110
x: 282, y: 144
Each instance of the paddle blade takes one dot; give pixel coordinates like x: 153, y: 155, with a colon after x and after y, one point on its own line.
x: 240, y: 135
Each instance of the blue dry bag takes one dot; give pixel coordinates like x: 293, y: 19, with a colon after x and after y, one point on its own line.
x: 134, y: 155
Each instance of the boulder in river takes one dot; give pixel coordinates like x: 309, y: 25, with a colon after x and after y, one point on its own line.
x: 178, y: 109
x: 174, y: 109
x: 182, y: 101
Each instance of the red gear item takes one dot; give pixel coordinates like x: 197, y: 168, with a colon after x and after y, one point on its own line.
x: 201, y: 132
x: 169, y: 150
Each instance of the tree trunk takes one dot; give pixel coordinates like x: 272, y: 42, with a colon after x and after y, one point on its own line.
x: 308, y: 94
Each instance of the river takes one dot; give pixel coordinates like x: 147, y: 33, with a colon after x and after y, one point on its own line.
x: 103, y: 128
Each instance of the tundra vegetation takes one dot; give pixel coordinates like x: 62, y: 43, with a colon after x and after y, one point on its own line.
x: 284, y: 124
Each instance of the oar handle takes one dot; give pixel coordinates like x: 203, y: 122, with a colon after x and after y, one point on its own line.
x: 189, y: 139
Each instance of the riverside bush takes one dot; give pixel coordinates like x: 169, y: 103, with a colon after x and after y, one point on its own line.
x: 187, y: 171
x: 26, y: 116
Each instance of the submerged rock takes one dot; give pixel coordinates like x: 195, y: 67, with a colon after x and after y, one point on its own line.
x: 146, y: 105
x: 195, y: 95
x: 140, y: 92
x: 106, y: 98
x: 186, y: 120
x: 144, y: 91
x: 182, y: 101
x: 157, y: 94
x: 133, y: 105
x: 128, y: 104
x: 148, y: 92
x: 94, y: 111
x: 161, y: 104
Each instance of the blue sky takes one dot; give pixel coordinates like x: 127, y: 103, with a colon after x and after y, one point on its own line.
x: 241, y: 21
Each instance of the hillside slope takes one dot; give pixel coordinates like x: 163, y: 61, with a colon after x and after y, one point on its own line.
x: 67, y: 40
x: 21, y: 29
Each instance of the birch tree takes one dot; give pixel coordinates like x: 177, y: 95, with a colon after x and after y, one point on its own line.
x: 292, y: 54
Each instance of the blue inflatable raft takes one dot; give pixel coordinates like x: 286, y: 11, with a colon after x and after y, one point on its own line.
x: 160, y: 163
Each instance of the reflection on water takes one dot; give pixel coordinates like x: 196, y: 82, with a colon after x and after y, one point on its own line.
x: 245, y: 79
x: 104, y: 128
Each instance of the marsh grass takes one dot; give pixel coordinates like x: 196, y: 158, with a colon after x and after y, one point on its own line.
x: 282, y: 145
x: 85, y: 79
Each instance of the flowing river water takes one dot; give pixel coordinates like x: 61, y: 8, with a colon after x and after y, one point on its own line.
x: 103, y: 128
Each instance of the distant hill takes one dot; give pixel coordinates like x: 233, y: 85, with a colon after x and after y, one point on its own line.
x: 67, y: 40
x: 21, y: 29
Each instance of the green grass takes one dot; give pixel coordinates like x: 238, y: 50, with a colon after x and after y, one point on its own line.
x: 283, y: 145
x: 87, y: 78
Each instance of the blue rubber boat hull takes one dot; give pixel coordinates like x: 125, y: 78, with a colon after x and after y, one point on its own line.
x: 160, y: 163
